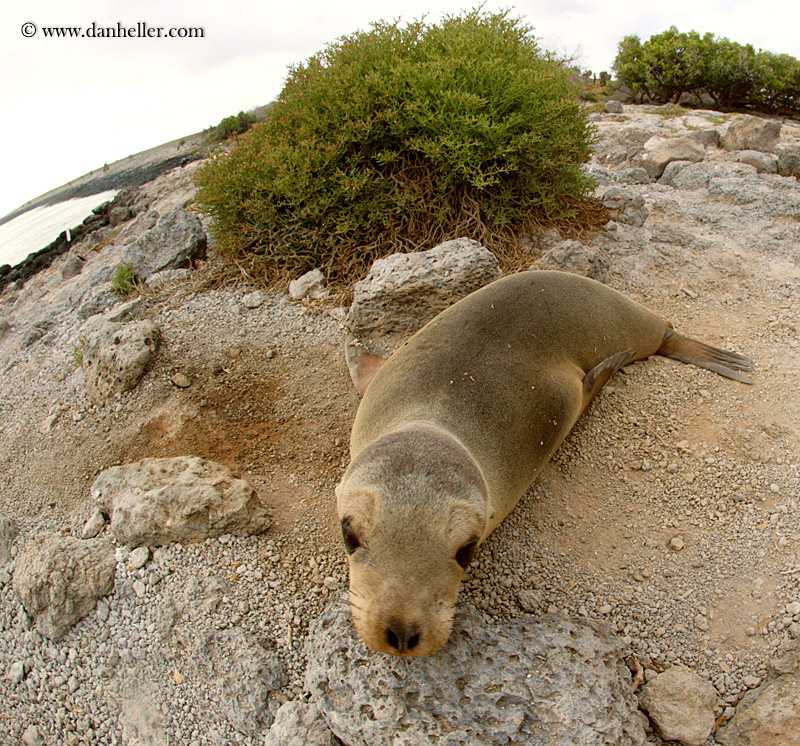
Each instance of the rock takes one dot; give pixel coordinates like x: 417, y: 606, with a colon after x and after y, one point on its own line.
x: 545, y: 680
x: 626, y: 206
x: 16, y: 673
x: 176, y: 239
x: 5, y: 327
x: 94, y: 525
x: 633, y: 176
x: 310, y: 285
x: 573, y: 256
x: 181, y: 380
x: 752, y: 133
x: 244, y: 674
x: 709, y: 137
x: 613, y: 107
x: 661, y: 151
x: 680, y: 705
x: 8, y: 533
x: 788, y: 162
x: 299, y: 723
x: 138, y: 558
x: 72, y: 267
x: 60, y: 578
x: 31, y: 736
x: 167, y: 277
x: 762, y: 162
x: 770, y: 714
x: 116, y: 356
x: 254, y: 300
x: 161, y: 500
x: 402, y: 292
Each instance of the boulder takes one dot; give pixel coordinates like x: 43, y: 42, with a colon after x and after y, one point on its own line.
x: 310, y: 285
x: 762, y: 162
x: 59, y: 579
x: 752, y: 133
x: 116, y: 356
x: 299, y: 723
x: 661, y: 151
x: 535, y: 681
x: 176, y: 239
x: 72, y: 267
x: 626, y: 206
x: 770, y: 714
x: 680, y: 705
x: 789, y: 161
x: 573, y: 256
x: 613, y: 107
x: 161, y: 500
x: 402, y: 292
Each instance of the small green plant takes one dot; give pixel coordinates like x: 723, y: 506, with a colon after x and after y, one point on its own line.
x: 77, y: 353
x: 399, y: 137
x: 123, y: 281
x: 234, y: 125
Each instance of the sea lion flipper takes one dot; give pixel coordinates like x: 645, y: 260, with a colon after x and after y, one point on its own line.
x: 599, y: 376
x: 361, y: 363
x: 688, y: 350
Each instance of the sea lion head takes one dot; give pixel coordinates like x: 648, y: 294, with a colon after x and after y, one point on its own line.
x: 413, y: 509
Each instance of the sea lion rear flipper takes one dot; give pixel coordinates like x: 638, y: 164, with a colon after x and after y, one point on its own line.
x: 689, y: 350
x: 363, y: 365
x: 598, y: 376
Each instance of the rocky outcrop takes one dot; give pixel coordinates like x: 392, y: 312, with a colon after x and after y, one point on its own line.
x: 770, y: 714
x: 59, y: 579
x: 8, y: 533
x: 661, y: 151
x: 625, y: 206
x: 752, y: 133
x: 161, y: 500
x: 310, y: 285
x: 573, y: 256
x: 680, y: 705
x: 173, y: 242
x: 116, y: 356
x: 547, y: 680
x: 403, y: 292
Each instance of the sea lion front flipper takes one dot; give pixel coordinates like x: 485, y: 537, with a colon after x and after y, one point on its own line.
x: 689, y: 350
x: 362, y: 364
x: 598, y: 376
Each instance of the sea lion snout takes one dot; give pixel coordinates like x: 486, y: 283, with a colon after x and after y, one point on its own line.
x: 410, y: 527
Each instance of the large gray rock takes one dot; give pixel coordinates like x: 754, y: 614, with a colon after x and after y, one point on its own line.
x: 764, y: 163
x: 403, y: 292
x: 789, y: 161
x: 770, y: 714
x: 626, y: 206
x: 243, y: 674
x: 59, y: 579
x: 752, y: 133
x: 680, y: 705
x: 573, y: 256
x: 660, y: 151
x: 161, y: 500
x: 176, y: 239
x: 116, y: 356
x: 299, y: 723
x: 545, y: 681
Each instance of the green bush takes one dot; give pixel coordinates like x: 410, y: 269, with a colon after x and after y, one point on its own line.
x: 398, y: 137
x: 733, y: 75
x: 234, y: 125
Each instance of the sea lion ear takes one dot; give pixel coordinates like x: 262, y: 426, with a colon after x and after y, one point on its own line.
x: 363, y: 365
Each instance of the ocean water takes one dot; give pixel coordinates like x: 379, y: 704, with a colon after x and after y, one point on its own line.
x: 35, y: 229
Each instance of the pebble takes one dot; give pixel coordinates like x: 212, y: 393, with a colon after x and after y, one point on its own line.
x: 676, y: 543
x: 138, y: 558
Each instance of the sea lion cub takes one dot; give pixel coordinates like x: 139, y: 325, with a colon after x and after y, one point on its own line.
x: 453, y: 429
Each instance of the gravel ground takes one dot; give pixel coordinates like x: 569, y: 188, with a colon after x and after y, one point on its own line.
x: 672, y: 513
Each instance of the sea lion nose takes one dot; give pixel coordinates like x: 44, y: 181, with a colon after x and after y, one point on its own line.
x: 401, y: 636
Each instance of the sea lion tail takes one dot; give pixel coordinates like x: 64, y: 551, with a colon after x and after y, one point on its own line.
x: 689, y: 350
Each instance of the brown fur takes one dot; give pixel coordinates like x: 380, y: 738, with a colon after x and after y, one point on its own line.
x: 455, y: 426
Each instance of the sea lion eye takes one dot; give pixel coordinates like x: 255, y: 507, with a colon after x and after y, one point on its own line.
x: 351, y: 541
x: 465, y: 554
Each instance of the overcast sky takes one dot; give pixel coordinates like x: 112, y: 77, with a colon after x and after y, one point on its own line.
x: 70, y: 105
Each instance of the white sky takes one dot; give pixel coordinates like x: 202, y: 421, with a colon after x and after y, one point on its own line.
x: 67, y: 106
